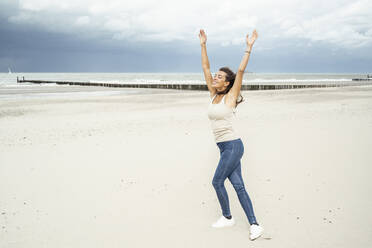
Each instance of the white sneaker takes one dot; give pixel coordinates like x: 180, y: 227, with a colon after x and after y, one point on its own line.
x: 223, y: 222
x: 256, y: 231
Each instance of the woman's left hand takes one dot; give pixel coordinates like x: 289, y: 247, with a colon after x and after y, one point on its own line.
x: 250, y: 41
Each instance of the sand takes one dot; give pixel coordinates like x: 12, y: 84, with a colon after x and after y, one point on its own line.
x: 136, y: 170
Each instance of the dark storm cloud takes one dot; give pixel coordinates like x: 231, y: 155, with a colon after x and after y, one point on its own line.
x: 27, y: 49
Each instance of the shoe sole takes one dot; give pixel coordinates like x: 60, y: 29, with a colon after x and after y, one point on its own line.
x: 257, y: 236
x: 222, y: 226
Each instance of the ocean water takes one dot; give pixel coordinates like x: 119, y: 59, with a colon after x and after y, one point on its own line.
x: 176, y: 78
x: 9, y: 81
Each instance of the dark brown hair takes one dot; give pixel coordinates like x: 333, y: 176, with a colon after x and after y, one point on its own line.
x: 230, y: 77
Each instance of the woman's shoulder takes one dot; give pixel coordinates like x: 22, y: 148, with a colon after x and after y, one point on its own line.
x: 230, y: 100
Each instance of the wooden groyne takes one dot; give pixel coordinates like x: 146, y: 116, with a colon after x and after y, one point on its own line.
x: 362, y: 79
x: 196, y: 86
x: 368, y: 78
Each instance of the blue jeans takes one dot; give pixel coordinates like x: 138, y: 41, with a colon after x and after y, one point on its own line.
x: 229, y: 167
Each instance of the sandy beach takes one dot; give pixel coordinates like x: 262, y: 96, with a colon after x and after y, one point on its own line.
x: 136, y: 170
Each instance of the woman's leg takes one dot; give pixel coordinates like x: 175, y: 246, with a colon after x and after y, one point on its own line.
x: 231, y: 153
x: 237, y: 181
x: 218, y: 184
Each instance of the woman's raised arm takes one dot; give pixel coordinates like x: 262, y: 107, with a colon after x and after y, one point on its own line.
x: 243, y: 64
x: 205, y: 62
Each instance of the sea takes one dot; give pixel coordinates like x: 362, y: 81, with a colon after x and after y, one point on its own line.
x: 9, y: 88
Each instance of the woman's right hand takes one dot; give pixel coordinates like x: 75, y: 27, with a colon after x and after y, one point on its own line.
x: 202, y: 37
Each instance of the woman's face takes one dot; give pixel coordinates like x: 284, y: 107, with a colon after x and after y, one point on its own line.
x: 219, y: 80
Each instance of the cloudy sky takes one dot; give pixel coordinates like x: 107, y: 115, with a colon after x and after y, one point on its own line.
x: 161, y: 36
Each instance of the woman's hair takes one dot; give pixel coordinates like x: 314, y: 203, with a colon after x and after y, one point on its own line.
x: 230, y: 77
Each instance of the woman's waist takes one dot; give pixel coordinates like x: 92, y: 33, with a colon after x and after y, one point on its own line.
x: 235, y: 143
x: 230, y: 141
x: 225, y: 136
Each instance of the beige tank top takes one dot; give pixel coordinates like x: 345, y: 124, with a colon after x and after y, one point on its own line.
x: 222, y: 118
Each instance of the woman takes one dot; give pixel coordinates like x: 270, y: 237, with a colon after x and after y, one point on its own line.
x: 224, y: 91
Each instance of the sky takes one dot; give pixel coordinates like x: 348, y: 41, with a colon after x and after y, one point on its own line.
x: 295, y: 36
